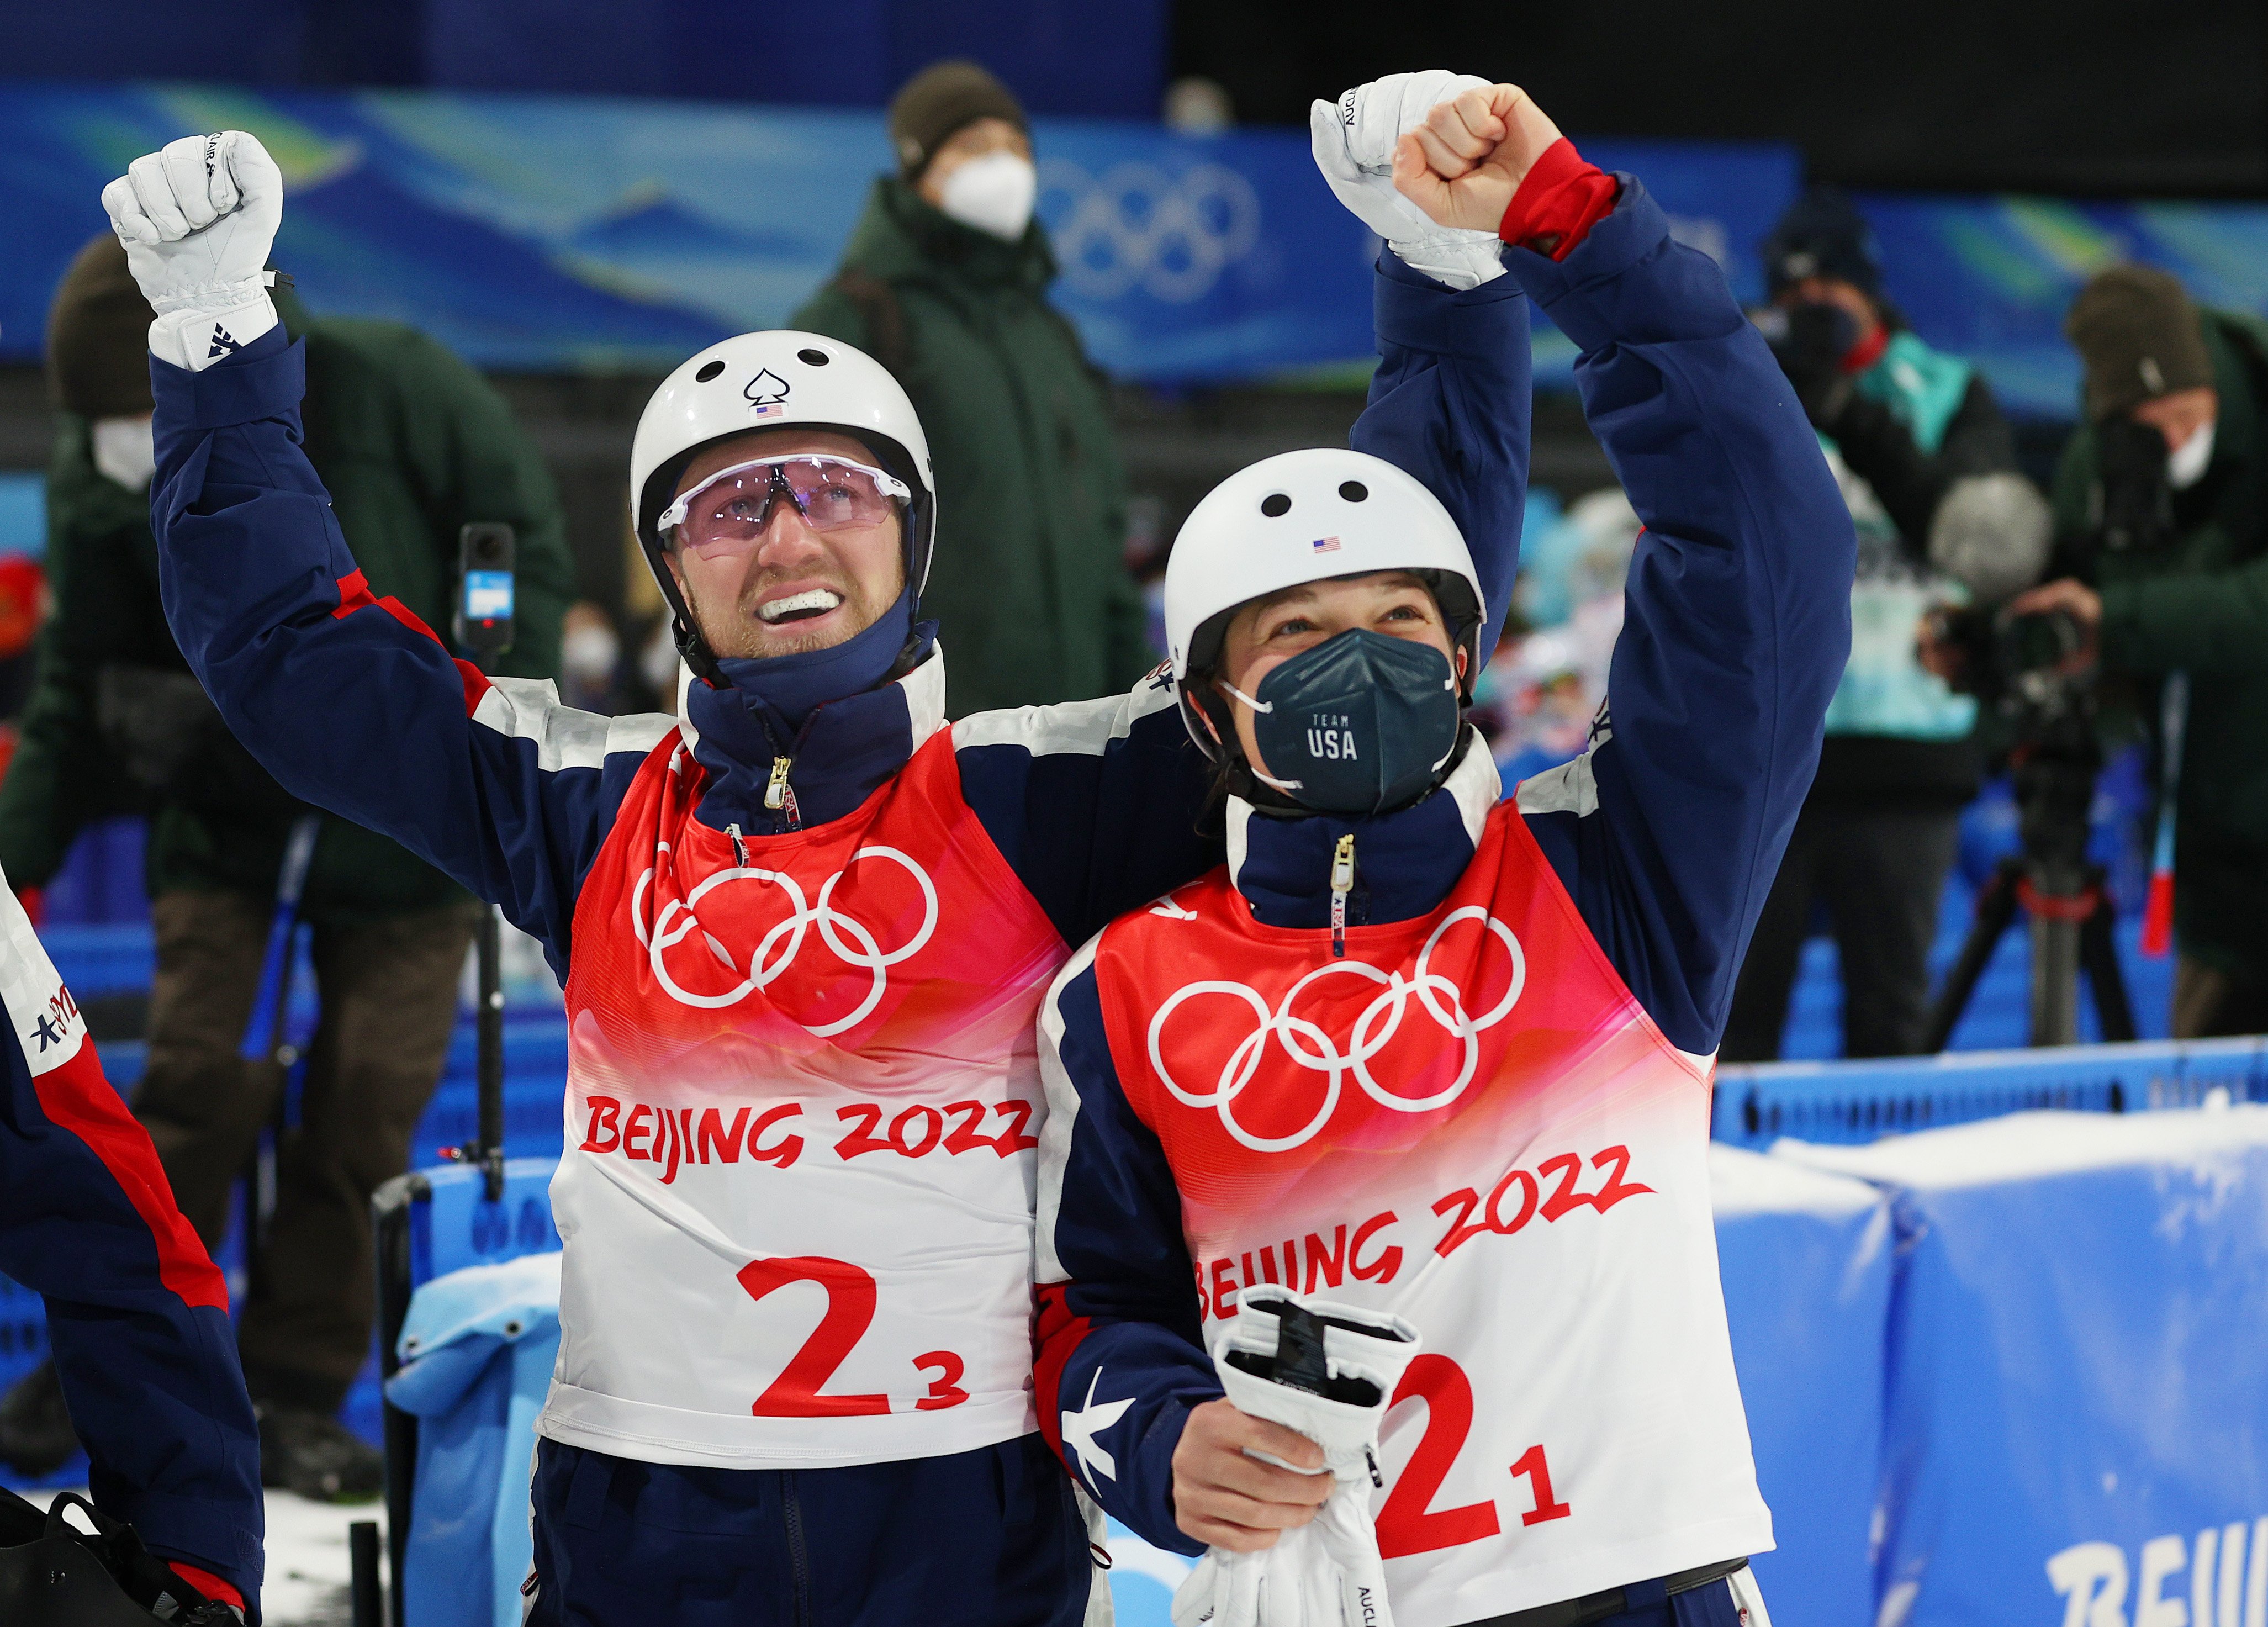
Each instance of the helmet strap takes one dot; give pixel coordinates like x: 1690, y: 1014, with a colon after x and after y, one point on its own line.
x: 685, y: 632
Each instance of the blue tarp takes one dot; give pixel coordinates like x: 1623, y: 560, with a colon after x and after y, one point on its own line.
x: 1806, y: 1262
x: 477, y: 1353
x: 575, y: 231
x: 2077, y: 1410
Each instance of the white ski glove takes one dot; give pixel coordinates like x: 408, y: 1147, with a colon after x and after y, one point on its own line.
x: 1326, y: 1573
x: 1354, y: 140
x: 197, y: 220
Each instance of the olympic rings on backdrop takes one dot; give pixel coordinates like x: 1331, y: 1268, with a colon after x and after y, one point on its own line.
x: 1171, y: 235
x: 770, y: 958
x: 1310, y: 1048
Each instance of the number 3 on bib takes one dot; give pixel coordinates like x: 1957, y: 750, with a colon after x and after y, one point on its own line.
x: 851, y: 1295
x: 1407, y: 1522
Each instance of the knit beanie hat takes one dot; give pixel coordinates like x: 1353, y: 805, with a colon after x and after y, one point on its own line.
x: 2138, y: 336
x: 98, y: 337
x: 1822, y: 235
x: 938, y: 102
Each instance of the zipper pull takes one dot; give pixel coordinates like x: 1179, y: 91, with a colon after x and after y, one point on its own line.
x: 740, y: 848
x: 1342, y: 884
x: 776, y: 793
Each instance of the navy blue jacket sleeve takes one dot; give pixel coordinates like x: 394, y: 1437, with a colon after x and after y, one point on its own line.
x: 1451, y: 403
x: 1096, y: 804
x: 137, y: 1316
x: 1668, y: 830
x: 1121, y: 1359
x: 351, y: 701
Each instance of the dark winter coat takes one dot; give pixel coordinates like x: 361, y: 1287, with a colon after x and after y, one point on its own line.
x: 1029, y: 585
x: 2200, y: 606
x: 412, y: 444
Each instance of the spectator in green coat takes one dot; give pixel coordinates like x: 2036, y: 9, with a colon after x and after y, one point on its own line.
x: 2171, y: 452
x: 945, y: 283
x: 412, y: 444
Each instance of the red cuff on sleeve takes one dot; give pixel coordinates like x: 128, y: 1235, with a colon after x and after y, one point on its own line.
x: 206, y: 1583
x: 1559, y: 201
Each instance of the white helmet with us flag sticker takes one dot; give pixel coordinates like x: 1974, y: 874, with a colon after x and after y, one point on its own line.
x: 778, y: 378
x: 1303, y: 517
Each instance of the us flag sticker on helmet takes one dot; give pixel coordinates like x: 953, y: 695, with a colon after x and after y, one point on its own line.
x: 1326, y: 545
x: 767, y: 392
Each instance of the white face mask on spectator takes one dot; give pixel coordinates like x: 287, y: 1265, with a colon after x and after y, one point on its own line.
x: 126, y: 451
x: 993, y: 192
x: 588, y: 655
x: 2186, y: 465
x: 659, y: 663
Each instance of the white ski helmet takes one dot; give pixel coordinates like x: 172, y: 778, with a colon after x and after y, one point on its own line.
x: 1307, y: 517
x: 778, y: 378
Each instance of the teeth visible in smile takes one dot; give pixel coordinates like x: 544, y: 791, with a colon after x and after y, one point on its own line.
x: 818, y: 601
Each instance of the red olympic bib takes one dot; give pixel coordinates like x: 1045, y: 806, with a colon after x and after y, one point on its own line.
x: 1467, y: 1120
x: 801, y: 1088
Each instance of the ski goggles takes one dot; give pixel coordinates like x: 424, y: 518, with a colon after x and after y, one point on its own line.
x: 727, y: 512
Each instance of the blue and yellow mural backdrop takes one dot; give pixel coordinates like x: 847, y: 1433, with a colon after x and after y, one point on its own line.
x: 593, y: 233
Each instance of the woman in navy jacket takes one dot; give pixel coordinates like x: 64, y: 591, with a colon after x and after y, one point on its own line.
x: 1439, y: 1057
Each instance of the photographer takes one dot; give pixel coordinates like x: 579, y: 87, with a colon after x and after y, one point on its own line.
x: 1927, y: 469
x: 413, y: 445
x: 2161, y: 555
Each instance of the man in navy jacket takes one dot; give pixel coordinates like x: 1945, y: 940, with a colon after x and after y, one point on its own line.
x: 804, y: 929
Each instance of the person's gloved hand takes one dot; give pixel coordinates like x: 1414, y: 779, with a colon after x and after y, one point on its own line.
x: 197, y: 220
x: 1354, y: 140
x: 1327, y: 1573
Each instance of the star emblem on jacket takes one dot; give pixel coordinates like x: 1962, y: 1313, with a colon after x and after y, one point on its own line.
x: 1080, y: 1428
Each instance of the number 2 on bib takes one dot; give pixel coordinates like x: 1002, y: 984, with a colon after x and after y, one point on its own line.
x: 850, y: 1296
x: 1407, y: 1521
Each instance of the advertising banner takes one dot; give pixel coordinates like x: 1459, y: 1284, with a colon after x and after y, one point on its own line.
x: 564, y: 232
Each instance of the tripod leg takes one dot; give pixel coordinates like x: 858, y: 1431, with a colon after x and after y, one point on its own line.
x: 2098, y: 952
x: 1996, y: 908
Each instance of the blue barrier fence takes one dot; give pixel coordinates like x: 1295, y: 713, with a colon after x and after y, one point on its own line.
x: 1859, y: 1102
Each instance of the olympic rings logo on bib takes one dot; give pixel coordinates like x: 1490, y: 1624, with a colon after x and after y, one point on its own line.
x: 1312, y: 1050
x: 849, y: 940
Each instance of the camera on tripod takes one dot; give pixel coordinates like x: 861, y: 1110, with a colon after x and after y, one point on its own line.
x: 2027, y: 669
x: 2037, y: 671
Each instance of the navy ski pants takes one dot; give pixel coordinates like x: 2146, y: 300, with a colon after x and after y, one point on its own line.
x: 989, y: 1538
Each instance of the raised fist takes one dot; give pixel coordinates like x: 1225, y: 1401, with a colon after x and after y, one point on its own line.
x: 198, y: 219
x: 1463, y: 163
x: 1355, y: 139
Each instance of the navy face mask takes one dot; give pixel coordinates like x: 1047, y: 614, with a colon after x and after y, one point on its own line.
x: 1358, y: 724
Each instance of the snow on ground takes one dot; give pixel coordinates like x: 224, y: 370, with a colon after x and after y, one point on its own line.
x: 308, y: 1568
